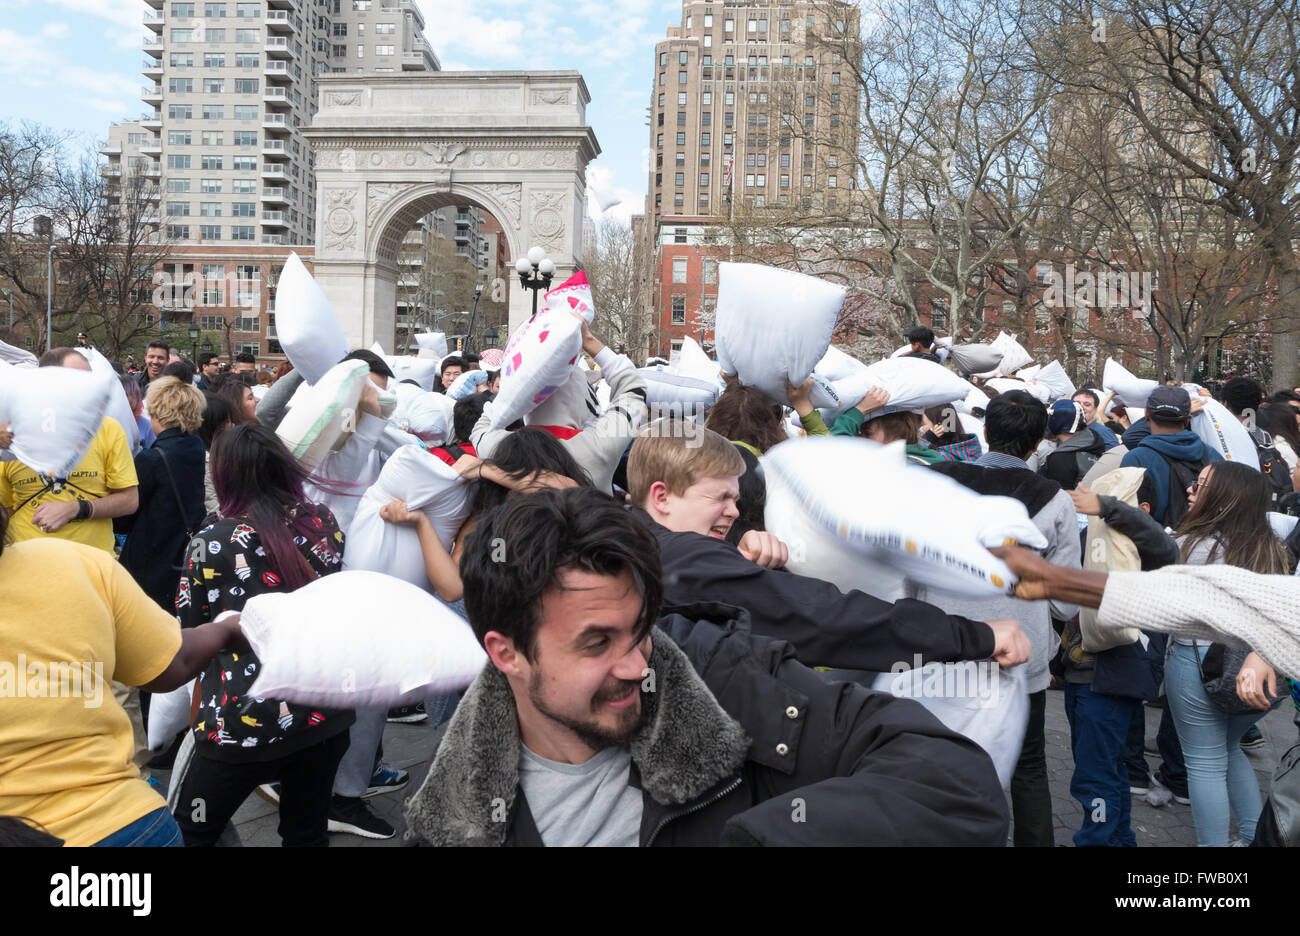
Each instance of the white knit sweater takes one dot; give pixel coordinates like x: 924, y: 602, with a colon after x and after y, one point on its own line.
x: 1217, y: 602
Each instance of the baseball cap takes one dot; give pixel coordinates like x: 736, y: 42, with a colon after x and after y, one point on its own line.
x: 1065, y: 416
x: 1171, y: 403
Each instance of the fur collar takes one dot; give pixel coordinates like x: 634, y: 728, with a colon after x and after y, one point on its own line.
x: 686, y: 745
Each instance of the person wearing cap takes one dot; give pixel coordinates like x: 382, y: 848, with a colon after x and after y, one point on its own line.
x: 1078, y: 444
x: 1171, y: 450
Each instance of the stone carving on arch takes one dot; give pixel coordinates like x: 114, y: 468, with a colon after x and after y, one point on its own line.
x: 340, y: 220
x: 547, y: 225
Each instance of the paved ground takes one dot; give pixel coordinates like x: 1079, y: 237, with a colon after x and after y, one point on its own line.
x: 409, y: 747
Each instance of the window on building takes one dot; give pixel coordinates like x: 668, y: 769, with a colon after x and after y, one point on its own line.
x: 214, y: 60
x: 214, y: 10
x: 729, y: 25
x: 383, y: 50
x: 245, y: 111
x: 679, y: 200
x: 178, y: 185
x: 247, y: 60
x: 182, y: 35
x: 210, y: 231
x: 245, y: 163
x: 213, y: 112
x: 211, y: 186
x: 178, y: 137
x: 706, y: 98
x: 708, y: 20
x: 710, y: 271
x: 248, y: 10
x: 210, y: 209
x: 682, y: 57
x: 679, y: 235
x: 215, y: 36
x: 175, y: 161
x: 679, y: 310
x: 180, y: 85
x: 178, y: 209
x: 181, y: 60
x: 241, y: 232
x: 681, y: 98
x: 706, y: 139
x: 681, y: 159
x: 679, y: 179
x: 681, y: 77
x: 384, y: 29
x: 681, y: 139
x: 681, y: 118
x: 245, y: 137
x: 679, y: 269
x: 244, y: 209
x: 244, y: 186
x: 704, y: 180
x: 211, y: 162
x: 832, y: 182
x: 807, y: 181
x: 708, y: 44
x: 214, y: 85
x: 247, y: 85
x: 178, y: 232
x: 213, y: 138
x: 660, y: 141
x: 835, y: 78
x: 706, y: 119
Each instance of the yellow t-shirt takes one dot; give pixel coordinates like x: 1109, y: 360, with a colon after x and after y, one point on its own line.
x: 107, y: 467
x: 65, y: 743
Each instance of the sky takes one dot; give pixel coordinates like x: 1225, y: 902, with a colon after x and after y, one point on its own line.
x: 75, y: 65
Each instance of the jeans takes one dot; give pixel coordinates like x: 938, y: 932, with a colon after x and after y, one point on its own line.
x: 358, y: 764
x: 213, y: 790
x: 1219, y: 777
x: 1031, y: 800
x: 1099, y: 726
x: 154, y: 830
x: 1173, y: 770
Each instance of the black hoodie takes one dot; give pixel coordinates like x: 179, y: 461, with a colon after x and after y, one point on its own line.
x: 1073, y: 458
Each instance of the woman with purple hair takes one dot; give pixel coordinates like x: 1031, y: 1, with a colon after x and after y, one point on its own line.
x: 135, y: 398
x: 267, y: 538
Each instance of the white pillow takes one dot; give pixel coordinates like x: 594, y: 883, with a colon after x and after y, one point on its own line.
x: 837, y: 501
x: 119, y: 407
x: 913, y: 383
x: 305, y: 325
x: 55, y: 413
x: 358, y: 639
x: 324, y: 414
x: 773, y: 325
x: 1014, y: 356
x: 1220, y: 430
x: 426, y: 414
x: 668, y: 392
x: 426, y: 483
x: 976, y: 358
x: 424, y: 371
x: 573, y: 295
x: 169, y: 715
x: 1056, y: 380
x: 539, y: 358
x: 17, y: 356
x: 1133, y: 390
x: 432, y: 344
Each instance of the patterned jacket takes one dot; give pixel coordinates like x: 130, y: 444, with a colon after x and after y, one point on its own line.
x: 226, y: 566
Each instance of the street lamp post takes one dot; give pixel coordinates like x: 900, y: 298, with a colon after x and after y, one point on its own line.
x: 490, y: 336
x: 469, y: 331
x: 49, y: 299
x: 535, y: 272
x: 10, y: 296
x: 194, y: 341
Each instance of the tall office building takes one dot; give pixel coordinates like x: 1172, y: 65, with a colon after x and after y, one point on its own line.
x: 753, y: 104
x: 233, y: 82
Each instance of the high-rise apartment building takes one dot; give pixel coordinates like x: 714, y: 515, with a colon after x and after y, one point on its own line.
x: 233, y: 82
x: 753, y: 104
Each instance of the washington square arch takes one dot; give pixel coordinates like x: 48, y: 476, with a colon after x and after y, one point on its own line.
x: 389, y: 150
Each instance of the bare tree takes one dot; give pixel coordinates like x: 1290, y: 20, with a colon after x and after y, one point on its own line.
x: 614, y: 274
x: 1215, y: 87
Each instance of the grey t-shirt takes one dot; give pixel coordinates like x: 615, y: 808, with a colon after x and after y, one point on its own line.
x: 582, y: 804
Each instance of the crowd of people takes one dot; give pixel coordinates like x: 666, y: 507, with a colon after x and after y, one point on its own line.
x: 635, y: 551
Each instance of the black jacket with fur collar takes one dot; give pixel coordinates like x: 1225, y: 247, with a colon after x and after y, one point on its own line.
x: 741, y: 745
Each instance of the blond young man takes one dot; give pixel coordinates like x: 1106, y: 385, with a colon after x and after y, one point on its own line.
x: 687, y: 485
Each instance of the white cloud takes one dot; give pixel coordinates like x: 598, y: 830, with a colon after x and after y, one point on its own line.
x: 127, y: 17
x: 108, y: 107
x: 30, y: 61
x: 55, y: 30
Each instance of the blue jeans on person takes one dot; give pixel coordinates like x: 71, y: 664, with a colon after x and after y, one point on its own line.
x: 1099, y: 726
x: 1219, y: 777
x: 155, y: 830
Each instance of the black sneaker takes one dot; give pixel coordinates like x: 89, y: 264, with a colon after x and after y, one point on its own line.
x: 1252, y: 740
x: 408, y: 714
x: 352, y: 817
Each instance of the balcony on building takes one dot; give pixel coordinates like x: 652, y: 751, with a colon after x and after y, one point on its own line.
x: 152, y: 148
x: 276, y: 69
x: 153, y: 170
x: 111, y: 149
x: 282, y: 4
x: 152, y: 94
x: 275, y: 149
x: 152, y: 69
x: 153, y: 123
x: 272, y: 238
x: 113, y: 170
x: 274, y: 172
x: 153, y: 45
x: 276, y: 96
x: 276, y: 123
x: 154, y: 21
x: 275, y: 195
x: 279, y: 21
x: 278, y: 46
x: 274, y: 219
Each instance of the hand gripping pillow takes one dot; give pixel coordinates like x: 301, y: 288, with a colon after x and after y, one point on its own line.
x: 573, y: 295
x: 426, y: 483
x: 773, y: 325
x: 305, y: 324
x: 539, y: 358
x: 325, y: 414
x: 358, y: 639
x: 836, y: 501
x: 432, y: 344
x: 55, y: 413
x: 118, y: 405
x: 913, y: 383
x: 975, y: 358
x: 466, y: 384
x: 1055, y: 379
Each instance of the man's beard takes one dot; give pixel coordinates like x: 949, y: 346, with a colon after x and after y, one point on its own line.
x: 592, y: 733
